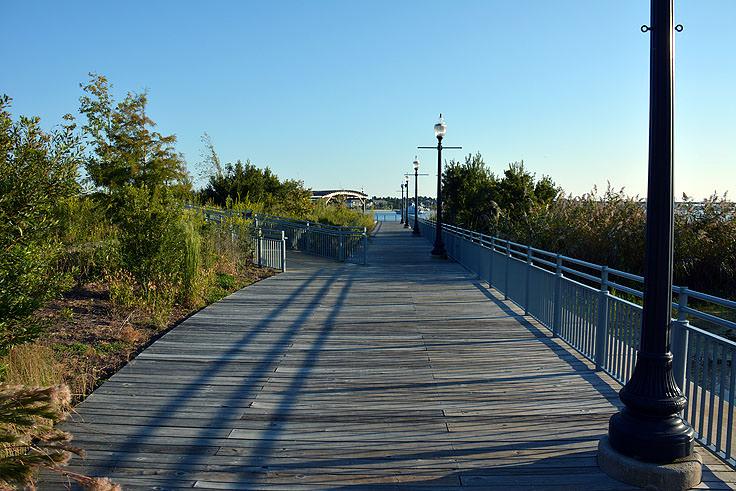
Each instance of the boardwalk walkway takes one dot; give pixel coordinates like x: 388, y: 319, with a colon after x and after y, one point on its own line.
x: 407, y: 373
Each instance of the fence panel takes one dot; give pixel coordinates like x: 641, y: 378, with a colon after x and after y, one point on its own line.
x: 541, y: 295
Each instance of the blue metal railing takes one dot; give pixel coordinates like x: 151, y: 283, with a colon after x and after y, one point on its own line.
x: 595, y: 310
x: 348, y: 244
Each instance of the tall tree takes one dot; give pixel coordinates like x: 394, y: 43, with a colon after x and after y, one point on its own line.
x: 125, y: 147
x: 470, y: 194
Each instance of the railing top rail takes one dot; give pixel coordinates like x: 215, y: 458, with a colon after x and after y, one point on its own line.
x: 713, y: 337
x: 517, y: 250
x: 267, y: 217
x: 724, y: 302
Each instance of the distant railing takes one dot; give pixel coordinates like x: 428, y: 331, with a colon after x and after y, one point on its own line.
x: 385, y: 215
x: 597, y: 311
x: 348, y: 244
x: 271, y: 249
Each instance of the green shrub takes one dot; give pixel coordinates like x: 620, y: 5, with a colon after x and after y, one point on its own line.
x: 37, y: 172
x: 151, y: 241
x: 89, y: 237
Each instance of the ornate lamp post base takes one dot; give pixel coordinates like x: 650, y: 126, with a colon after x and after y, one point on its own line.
x: 649, y: 439
x: 649, y: 427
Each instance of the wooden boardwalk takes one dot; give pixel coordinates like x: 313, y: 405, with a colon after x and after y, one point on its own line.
x: 407, y: 373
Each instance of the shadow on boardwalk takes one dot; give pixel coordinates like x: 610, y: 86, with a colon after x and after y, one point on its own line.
x: 404, y: 373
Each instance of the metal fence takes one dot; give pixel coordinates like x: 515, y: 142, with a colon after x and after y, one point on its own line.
x: 385, y: 215
x: 597, y: 311
x: 271, y: 249
x: 348, y: 244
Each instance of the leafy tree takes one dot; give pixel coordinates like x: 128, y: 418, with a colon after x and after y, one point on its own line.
x: 473, y: 197
x: 470, y: 194
x: 38, y: 170
x: 126, y: 149
x: 246, y: 182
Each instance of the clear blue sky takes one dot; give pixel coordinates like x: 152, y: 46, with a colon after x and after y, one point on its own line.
x: 340, y: 93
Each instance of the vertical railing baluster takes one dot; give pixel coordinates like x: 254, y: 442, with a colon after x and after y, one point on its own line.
x: 283, y: 252
x: 731, y: 402
x: 557, y: 306
x: 700, y: 394
x: 680, y: 334
x: 259, y: 247
x: 721, y: 395
x: 602, y: 324
x: 528, y: 278
x: 365, y: 245
x: 508, y: 264
x: 490, y: 262
x: 712, y: 358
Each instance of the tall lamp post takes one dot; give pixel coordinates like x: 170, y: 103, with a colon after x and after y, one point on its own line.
x: 440, y: 128
x: 401, y: 205
x: 649, y: 426
x: 415, y: 230
x: 406, y: 208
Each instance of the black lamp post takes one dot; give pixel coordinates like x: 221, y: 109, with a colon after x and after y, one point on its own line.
x: 415, y: 230
x: 401, y: 205
x: 440, y: 128
x: 406, y: 208
x: 649, y: 426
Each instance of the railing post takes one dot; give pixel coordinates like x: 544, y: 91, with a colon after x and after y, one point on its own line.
x: 283, y: 252
x: 528, y: 278
x: 557, y: 302
x: 339, y: 247
x: 680, y: 339
x: 601, y: 328
x: 365, y: 245
x: 309, y: 240
x: 508, y: 264
x: 490, y: 263
x: 259, y: 247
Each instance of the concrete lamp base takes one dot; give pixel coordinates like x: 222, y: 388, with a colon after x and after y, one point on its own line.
x: 679, y: 475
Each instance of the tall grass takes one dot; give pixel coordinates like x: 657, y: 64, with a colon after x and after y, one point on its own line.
x: 192, y: 263
x: 610, y: 229
x: 32, y: 364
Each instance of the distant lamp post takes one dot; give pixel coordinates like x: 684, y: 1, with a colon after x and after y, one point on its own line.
x: 415, y: 230
x: 401, y: 205
x: 440, y: 128
x: 406, y: 221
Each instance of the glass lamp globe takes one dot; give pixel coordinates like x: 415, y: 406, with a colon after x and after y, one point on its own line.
x: 440, y: 128
x: 415, y: 163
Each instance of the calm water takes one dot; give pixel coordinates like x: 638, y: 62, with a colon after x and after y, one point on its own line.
x: 394, y: 216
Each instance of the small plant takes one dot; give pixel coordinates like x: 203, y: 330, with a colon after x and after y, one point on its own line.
x: 73, y: 348
x: 122, y: 287
x: 109, y: 347
x: 29, y: 441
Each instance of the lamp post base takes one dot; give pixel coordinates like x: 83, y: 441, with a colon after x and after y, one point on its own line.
x: 416, y: 232
x: 679, y: 475
x: 653, y: 439
x: 439, y: 250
